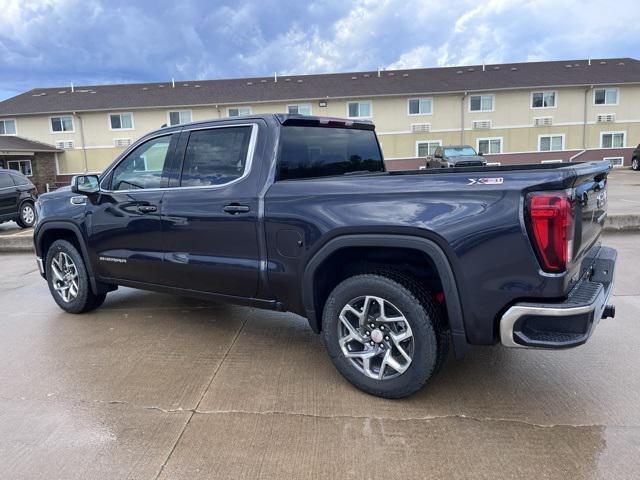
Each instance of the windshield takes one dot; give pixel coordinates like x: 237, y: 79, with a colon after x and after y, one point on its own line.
x: 459, y: 151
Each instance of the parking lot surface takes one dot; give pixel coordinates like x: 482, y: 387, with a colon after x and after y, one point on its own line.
x: 155, y: 386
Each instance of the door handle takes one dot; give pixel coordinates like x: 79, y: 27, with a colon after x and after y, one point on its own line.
x: 235, y: 208
x: 147, y: 208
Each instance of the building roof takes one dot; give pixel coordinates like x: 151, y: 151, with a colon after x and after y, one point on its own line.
x: 610, y: 71
x: 12, y: 143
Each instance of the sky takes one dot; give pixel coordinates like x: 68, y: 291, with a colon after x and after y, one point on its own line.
x: 87, y: 42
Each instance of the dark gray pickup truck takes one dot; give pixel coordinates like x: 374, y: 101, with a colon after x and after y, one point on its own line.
x: 298, y: 214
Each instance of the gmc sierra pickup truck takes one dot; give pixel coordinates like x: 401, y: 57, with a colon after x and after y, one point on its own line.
x: 298, y: 214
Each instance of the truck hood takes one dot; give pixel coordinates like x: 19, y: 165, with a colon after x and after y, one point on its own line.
x: 467, y: 158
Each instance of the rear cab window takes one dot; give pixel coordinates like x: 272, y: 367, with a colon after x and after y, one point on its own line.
x: 319, y: 151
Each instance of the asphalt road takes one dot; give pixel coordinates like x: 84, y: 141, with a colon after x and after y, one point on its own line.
x: 154, y: 386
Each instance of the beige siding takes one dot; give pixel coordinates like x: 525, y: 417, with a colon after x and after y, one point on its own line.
x: 512, y: 119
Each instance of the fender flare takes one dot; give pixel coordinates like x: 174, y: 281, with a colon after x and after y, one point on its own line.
x: 72, y: 227
x: 429, y: 247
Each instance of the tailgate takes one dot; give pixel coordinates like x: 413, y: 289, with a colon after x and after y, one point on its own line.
x: 590, y: 206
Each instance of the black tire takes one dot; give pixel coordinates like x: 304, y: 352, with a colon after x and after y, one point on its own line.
x: 27, y: 216
x: 635, y: 164
x: 85, y: 300
x: 430, y: 335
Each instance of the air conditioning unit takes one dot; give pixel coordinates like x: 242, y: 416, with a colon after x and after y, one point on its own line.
x: 64, y: 145
x: 481, y: 124
x: 606, y: 118
x: 122, y: 142
x: 420, y: 127
x: 543, y: 121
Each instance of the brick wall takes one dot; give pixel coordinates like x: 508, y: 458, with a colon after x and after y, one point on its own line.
x: 44, y: 171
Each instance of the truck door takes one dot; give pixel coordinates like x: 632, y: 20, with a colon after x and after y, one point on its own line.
x: 123, y: 220
x: 210, y: 214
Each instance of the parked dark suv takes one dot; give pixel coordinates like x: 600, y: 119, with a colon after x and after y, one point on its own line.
x: 17, y: 198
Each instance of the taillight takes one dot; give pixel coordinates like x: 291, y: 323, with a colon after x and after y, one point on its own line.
x: 552, y: 225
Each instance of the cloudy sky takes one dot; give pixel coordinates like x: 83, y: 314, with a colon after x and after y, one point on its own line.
x: 55, y: 42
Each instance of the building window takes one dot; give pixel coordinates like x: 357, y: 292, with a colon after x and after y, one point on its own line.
x: 238, y: 111
x: 121, y: 121
x: 420, y: 106
x: 22, y: 166
x: 489, y: 145
x: 615, y: 161
x: 605, y: 96
x: 426, y: 148
x: 543, y: 99
x: 550, y: 143
x: 301, y: 109
x: 612, y: 139
x: 359, y: 109
x: 62, y: 124
x: 7, y: 127
x: 179, y: 117
x: 481, y: 103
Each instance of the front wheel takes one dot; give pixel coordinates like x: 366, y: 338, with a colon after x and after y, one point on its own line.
x: 68, y: 279
x: 635, y: 164
x: 27, y: 215
x: 385, y: 335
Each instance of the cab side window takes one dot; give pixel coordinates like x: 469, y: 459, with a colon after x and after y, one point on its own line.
x: 143, y: 167
x: 216, y: 156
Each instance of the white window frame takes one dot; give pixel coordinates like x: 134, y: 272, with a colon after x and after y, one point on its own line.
x: 15, y: 127
x: 619, y: 157
x: 624, y: 138
x: 9, y: 162
x: 169, y: 112
x: 73, y: 124
x: 543, y: 92
x: 359, y: 102
x: 418, y: 142
x: 419, y: 114
x: 605, y: 104
x: 493, y: 102
x: 540, y: 137
x: 489, y: 139
x: 298, y: 105
x: 248, y: 107
x: 133, y: 125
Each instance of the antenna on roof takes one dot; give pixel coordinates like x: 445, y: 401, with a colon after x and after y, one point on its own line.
x: 379, y: 69
x: 173, y: 82
x: 589, y: 61
x: 484, y: 67
x: 72, y: 90
x: 275, y: 77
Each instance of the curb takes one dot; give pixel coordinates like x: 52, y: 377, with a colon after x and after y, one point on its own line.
x: 16, y: 243
x: 613, y: 223
x: 622, y: 223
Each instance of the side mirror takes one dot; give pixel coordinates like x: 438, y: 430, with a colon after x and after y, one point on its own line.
x: 481, y: 154
x: 85, y: 184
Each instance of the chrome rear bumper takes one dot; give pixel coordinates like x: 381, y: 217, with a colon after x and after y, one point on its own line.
x: 566, y: 324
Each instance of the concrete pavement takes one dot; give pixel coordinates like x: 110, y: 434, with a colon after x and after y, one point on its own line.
x: 155, y: 386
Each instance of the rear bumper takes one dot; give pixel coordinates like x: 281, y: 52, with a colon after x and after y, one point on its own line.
x: 566, y: 324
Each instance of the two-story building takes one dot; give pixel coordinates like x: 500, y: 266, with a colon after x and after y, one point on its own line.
x: 522, y: 112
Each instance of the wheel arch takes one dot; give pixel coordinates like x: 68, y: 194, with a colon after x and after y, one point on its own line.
x: 313, y: 311
x: 49, y: 232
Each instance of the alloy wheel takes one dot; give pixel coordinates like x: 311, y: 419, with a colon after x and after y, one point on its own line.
x: 376, y: 337
x: 65, y: 281
x: 28, y: 214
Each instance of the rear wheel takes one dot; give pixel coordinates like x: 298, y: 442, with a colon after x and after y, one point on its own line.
x: 27, y: 215
x: 68, y: 279
x: 635, y: 164
x: 385, y: 335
